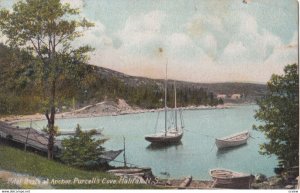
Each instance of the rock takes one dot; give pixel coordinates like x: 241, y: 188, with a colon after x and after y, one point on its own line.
x: 289, y: 187
x: 168, y: 183
x: 260, y: 178
x: 263, y: 185
x: 276, y: 181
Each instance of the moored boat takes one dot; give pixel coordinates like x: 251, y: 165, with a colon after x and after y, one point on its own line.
x: 230, y: 179
x: 168, y: 137
x: 233, y: 140
x: 171, y: 134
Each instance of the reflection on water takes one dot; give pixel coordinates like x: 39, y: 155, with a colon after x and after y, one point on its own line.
x: 222, y: 152
x: 162, y: 146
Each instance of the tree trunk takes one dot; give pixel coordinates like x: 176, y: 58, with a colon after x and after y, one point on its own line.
x: 51, y: 121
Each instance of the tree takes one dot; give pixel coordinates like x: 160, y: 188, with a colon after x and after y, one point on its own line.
x: 82, y: 150
x: 279, y: 112
x: 46, y: 29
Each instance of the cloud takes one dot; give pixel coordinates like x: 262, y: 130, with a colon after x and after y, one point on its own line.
x: 95, y: 36
x: 141, y: 38
x: 201, y: 24
x: 78, y: 4
x: 179, y: 45
x: 206, y: 48
x: 283, y: 55
x: 244, y: 43
x: 142, y: 33
x: 233, y: 52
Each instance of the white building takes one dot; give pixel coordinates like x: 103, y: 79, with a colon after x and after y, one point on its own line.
x: 236, y: 96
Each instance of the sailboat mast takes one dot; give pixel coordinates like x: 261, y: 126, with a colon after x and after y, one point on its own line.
x: 166, y: 98
x: 175, y: 105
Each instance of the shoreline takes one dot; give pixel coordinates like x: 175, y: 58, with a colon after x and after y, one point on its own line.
x: 13, y: 119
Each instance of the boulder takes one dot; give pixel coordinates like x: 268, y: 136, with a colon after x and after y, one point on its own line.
x: 262, y: 185
x: 260, y: 178
x: 289, y: 187
x: 276, y: 181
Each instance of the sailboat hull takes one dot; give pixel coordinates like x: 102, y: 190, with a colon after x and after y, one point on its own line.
x: 164, y: 138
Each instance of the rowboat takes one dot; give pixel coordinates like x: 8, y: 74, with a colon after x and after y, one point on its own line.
x: 233, y: 140
x: 229, y: 179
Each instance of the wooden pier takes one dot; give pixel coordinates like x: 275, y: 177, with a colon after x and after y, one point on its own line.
x: 28, y: 136
x: 38, y: 140
x: 31, y: 137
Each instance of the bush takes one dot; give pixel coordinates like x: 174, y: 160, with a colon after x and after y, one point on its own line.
x: 82, y: 150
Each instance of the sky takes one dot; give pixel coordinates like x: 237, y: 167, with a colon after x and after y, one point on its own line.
x: 202, y: 40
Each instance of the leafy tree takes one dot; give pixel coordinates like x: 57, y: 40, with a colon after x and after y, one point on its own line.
x: 47, y: 29
x: 81, y: 149
x: 220, y: 101
x: 279, y: 112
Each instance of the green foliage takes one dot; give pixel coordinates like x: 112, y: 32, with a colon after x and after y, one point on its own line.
x: 46, y: 30
x: 87, y: 87
x: 279, y: 111
x: 5, y: 185
x: 81, y: 148
x: 56, y: 130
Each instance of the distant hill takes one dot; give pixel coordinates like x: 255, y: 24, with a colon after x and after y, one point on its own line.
x: 250, y: 90
x: 22, y: 92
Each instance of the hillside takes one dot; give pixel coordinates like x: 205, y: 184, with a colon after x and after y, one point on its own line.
x: 251, y: 90
x: 23, y: 92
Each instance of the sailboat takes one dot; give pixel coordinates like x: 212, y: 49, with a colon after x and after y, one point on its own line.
x: 171, y: 134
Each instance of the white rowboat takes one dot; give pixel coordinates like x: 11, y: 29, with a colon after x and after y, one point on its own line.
x: 229, y: 179
x: 233, y: 140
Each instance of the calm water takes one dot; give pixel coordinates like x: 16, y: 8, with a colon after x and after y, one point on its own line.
x: 197, y: 153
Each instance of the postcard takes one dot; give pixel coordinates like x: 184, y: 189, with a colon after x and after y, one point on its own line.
x: 149, y: 94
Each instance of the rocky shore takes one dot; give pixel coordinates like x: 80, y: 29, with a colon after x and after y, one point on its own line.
x: 105, y: 108
x: 274, y: 182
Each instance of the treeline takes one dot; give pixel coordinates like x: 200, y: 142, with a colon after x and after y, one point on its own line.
x: 150, y: 95
x: 21, y: 88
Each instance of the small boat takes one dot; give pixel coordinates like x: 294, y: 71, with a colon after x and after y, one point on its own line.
x: 229, y: 179
x: 233, y: 140
x: 171, y: 134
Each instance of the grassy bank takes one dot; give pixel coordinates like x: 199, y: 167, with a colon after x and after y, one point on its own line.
x: 29, y: 163
x: 5, y: 185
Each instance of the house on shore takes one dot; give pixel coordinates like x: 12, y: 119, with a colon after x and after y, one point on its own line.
x: 236, y: 96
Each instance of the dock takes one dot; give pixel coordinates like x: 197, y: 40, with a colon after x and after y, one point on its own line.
x: 29, y: 137
x: 38, y: 140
